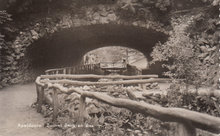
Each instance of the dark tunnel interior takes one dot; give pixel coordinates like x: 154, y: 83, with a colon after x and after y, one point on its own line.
x: 66, y: 47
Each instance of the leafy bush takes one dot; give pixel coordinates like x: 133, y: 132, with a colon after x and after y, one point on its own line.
x: 188, y: 54
x: 4, y: 17
x: 192, y: 101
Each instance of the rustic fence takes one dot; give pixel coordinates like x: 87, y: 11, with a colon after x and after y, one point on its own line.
x: 188, y: 120
x: 73, y: 70
x: 96, y: 69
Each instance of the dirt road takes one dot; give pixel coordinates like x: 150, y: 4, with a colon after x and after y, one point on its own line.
x: 17, y: 117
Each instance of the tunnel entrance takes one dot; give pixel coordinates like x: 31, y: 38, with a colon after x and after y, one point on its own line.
x: 67, y: 47
x: 116, y: 54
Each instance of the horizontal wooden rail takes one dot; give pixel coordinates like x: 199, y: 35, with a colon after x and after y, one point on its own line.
x: 81, y: 76
x: 37, y: 81
x: 65, y: 69
x: 71, y: 82
x: 57, y: 69
x: 182, y: 116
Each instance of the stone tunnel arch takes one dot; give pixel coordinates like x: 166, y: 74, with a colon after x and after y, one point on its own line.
x: 39, y: 33
x: 66, y: 47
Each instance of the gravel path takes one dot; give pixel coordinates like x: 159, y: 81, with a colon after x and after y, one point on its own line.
x: 17, y: 117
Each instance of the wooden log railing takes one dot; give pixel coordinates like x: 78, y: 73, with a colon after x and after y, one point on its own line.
x: 81, y: 83
x: 72, y: 70
x: 80, y: 76
x: 188, y: 120
x: 90, y: 68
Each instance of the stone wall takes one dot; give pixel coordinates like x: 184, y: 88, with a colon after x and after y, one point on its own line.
x: 15, y: 66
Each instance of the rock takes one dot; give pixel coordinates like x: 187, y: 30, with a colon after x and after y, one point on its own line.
x: 148, y: 84
x: 92, y: 109
x: 34, y: 34
x: 137, y: 131
x: 203, y: 48
x: 86, y: 87
x: 212, y: 49
x: 74, y: 96
x: 135, y: 23
x: 93, y: 22
x: 115, y: 94
x: 103, y: 20
x: 157, y: 95
x: 68, y: 98
x: 81, y: 87
x: 112, y: 17
x: 104, y: 13
x: 216, y: 93
x: 96, y: 16
x: 77, y: 22
x: 153, y: 85
x: 202, y: 55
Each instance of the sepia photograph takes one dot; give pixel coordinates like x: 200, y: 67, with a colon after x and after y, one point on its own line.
x: 109, y: 68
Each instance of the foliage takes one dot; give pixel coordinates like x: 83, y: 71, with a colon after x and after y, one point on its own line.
x: 179, y: 53
x: 144, y: 9
x: 176, y: 97
x: 214, y: 2
x: 205, y: 33
x: 132, y: 5
x: 4, y: 17
x: 188, y: 53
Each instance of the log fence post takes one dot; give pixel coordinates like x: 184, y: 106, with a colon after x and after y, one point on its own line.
x: 55, y: 105
x: 64, y: 71
x: 185, y: 129
x: 38, y: 93
x: 41, y: 97
x: 82, y: 106
x: 71, y: 71
x: 141, y: 85
x: 68, y: 71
